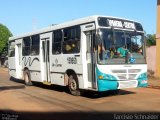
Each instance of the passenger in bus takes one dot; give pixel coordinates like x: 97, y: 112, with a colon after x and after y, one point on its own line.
x: 140, y: 49
x: 67, y: 48
x: 101, y: 51
x: 76, y: 46
x: 112, y: 52
x: 122, y: 51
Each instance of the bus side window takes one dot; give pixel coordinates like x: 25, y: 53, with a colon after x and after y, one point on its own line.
x: 71, y: 43
x: 56, y: 42
x: 11, y: 49
x: 26, y: 46
x: 35, y: 45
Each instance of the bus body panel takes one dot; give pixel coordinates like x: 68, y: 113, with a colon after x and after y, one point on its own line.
x: 32, y: 63
x: 18, y: 58
x: 12, y: 67
x: 63, y: 62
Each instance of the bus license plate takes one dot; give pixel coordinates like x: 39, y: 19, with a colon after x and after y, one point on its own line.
x: 127, y: 84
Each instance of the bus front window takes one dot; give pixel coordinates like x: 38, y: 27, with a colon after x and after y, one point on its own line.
x: 120, y: 47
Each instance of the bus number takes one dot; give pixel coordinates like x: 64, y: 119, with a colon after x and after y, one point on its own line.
x: 72, y: 60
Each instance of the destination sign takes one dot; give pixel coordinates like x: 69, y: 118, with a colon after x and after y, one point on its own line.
x: 119, y: 23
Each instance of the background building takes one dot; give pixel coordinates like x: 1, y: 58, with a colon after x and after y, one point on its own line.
x: 158, y: 40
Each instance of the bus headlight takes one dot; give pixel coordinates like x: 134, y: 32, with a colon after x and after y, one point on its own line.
x: 107, y: 77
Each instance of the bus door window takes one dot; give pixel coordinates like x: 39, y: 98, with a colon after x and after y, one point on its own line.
x: 26, y: 46
x: 43, y: 48
x: 35, y: 44
x: 57, y: 42
x: 11, y: 49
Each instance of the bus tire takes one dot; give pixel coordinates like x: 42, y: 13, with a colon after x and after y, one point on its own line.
x: 73, y: 85
x: 27, y: 78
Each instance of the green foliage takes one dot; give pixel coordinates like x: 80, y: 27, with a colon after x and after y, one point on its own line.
x: 4, y: 36
x: 150, y: 40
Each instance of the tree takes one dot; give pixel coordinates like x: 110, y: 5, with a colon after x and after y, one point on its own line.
x: 150, y: 39
x: 4, y: 36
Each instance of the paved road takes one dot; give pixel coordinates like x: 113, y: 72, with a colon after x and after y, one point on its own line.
x: 54, y: 102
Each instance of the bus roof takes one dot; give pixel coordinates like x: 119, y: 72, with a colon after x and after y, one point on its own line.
x: 66, y: 24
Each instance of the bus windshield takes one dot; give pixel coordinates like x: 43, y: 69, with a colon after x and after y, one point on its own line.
x: 121, y: 47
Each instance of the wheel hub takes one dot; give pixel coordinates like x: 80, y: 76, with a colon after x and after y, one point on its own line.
x: 73, y: 85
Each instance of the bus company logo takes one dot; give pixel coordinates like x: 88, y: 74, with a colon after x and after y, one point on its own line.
x: 55, y: 64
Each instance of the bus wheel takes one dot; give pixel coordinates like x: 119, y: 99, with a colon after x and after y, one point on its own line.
x: 27, y: 78
x: 73, y: 85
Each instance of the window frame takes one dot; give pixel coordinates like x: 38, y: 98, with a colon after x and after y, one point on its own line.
x: 24, y: 46
x: 71, y: 42
x: 32, y: 50
x: 56, y: 41
x: 11, y: 50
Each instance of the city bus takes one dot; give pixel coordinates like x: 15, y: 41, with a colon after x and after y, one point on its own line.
x: 82, y: 54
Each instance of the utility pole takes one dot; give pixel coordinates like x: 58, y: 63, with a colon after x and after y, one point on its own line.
x: 158, y: 41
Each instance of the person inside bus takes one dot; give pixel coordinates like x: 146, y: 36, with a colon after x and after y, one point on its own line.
x: 112, y: 52
x: 122, y: 51
x: 103, y: 52
x: 140, y: 49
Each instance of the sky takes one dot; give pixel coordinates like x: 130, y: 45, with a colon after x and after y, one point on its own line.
x: 22, y: 16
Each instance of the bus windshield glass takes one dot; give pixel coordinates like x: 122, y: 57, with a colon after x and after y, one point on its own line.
x: 120, y: 47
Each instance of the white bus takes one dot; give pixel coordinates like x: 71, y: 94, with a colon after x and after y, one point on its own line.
x: 98, y: 53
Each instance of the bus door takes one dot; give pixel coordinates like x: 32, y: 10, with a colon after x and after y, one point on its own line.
x: 45, y: 60
x: 91, y: 59
x: 18, y: 58
x: 88, y: 55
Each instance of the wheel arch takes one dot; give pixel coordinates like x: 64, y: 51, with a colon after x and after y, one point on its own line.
x: 69, y: 72
x: 25, y: 68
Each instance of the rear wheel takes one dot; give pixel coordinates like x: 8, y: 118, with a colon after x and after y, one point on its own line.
x: 73, y: 85
x: 27, y: 77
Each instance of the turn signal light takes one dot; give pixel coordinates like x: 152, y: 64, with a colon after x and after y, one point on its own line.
x: 100, y: 77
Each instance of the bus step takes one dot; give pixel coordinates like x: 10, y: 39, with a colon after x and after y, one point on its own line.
x: 47, y: 83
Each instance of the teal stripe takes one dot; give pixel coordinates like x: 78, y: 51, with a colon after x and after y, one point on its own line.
x: 105, y: 85
x: 143, y: 80
x: 108, y: 83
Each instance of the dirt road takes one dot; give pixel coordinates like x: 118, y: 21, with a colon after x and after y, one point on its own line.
x: 54, y: 102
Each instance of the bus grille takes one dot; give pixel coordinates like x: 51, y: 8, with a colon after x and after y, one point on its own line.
x: 132, y: 76
x: 129, y: 74
x: 134, y: 70
x: 122, y: 76
x: 119, y: 71
x: 126, y: 76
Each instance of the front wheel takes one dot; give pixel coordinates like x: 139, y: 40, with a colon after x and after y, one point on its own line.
x: 27, y: 78
x: 73, y: 85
